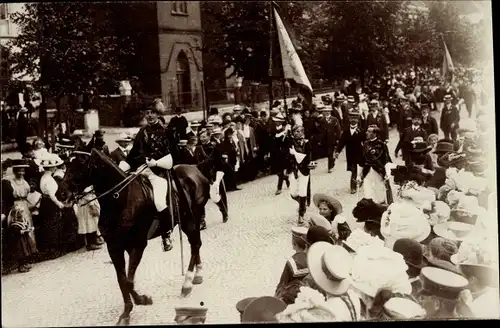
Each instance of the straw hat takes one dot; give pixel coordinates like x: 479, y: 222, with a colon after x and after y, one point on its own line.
x: 329, y: 266
x: 182, y: 142
x: 319, y: 198
x: 318, y: 220
x: 263, y: 309
x: 195, y: 124
x: 456, y: 231
x: 52, y: 161
x: 404, y: 309
x: 18, y: 163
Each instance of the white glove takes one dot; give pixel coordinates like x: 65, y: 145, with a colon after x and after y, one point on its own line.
x: 292, y: 151
x: 214, y: 192
x: 166, y: 162
x: 151, y: 162
x: 124, y: 166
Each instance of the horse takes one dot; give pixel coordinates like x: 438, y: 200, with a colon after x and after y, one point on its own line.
x: 128, y: 215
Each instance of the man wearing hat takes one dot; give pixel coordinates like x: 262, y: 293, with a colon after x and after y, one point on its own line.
x: 333, y: 131
x: 450, y: 118
x: 188, y: 154
x: 410, y: 133
x: 192, y: 130
x: 98, y: 142
x: 429, y: 123
x: 405, y: 115
x: 352, y: 139
x: 339, y: 111
x: 120, y: 153
x: 375, y: 118
x: 178, y: 124
x: 279, y: 153
x: 151, y: 147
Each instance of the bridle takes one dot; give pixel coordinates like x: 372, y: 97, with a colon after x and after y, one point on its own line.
x: 122, y: 184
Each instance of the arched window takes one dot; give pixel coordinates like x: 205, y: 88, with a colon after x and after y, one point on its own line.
x: 183, y: 80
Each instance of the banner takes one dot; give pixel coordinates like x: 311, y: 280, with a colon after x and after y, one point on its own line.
x: 292, y: 66
x: 448, y: 68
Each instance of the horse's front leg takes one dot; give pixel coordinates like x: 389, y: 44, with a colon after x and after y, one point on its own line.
x: 118, y: 258
x: 135, y: 257
x: 192, y: 276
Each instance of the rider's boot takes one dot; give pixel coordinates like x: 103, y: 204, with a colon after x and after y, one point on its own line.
x: 165, y: 230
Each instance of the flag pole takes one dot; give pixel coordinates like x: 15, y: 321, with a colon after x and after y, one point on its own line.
x: 270, y: 71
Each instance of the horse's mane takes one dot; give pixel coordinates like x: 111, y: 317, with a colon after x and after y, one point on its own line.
x: 107, y: 161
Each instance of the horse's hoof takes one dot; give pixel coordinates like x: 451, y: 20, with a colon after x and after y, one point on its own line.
x: 144, y: 300
x: 185, y: 291
x: 224, y: 219
x: 197, y: 280
x: 123, y: 321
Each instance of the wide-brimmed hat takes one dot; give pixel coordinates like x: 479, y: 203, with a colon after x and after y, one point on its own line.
x: 52, y: 161
x: 350, y: 99
x: 447, y: 97
x: 278, y: 117
x: 329, y: 266
x: 412, y: 251
x: 420, y: 148
x: 464, y: 216
x: 454, y: 159
x: 65, y: 143
x: 18, y: 163
x: 456, y: 231
x: 263, y: 309
x: 182, y: 142
x: 237, y: 108
x: 124, y: 137
x: 195, y: 124
x: 340, y: 98
x: 442, y: 283
x: 77, y: 133
x: 404, y: 309
x: 242, y: 305
x: 216, y: 131
x: 332, y: 201
x: 215, y: 119
x: 353, y: 112
x: 318, y: 220
x: 444, y: 147
x: 403, y: 220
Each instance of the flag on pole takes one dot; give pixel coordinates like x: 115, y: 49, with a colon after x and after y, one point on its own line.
x: 448, y: 68
x: 292, y: 66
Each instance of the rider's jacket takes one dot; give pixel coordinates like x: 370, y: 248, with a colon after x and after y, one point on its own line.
x: 151, y: 142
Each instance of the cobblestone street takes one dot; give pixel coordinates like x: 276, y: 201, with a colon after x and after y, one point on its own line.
x: 242, y: 258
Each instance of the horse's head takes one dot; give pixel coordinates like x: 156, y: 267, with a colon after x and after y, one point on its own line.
x: 77, y: 176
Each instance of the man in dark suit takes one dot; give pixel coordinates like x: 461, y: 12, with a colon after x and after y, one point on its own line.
x: 340, y: 112
x: 405, y: 115
x: 415, y: 130
x: 229, y: 151
x: 333, y: 130
x: 376, y: 118
x: 120, y: 153
x: 450, y: 119
x: 178, y: 125
x: 429, y: 123
x: 188, y: 154
x: 352, y: 139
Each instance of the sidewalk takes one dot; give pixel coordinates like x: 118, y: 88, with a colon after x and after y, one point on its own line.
x: 190, y: 116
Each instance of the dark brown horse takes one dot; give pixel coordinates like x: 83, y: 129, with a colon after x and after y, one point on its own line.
x: 126, y: 217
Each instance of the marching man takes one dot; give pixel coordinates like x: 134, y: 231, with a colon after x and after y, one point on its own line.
x: 300, y: 163
x: 151, y: 148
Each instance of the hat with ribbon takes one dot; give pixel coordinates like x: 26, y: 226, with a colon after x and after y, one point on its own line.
x: 299, y: 235
x: 51, y: 161
x: 77, y: 133
x: 444, y: 147
x: 263, y: 309
x: 215, y: 119
x: 216, y: 131
x: 442, y: 283
x: 404, y: 220
x: 420, y: 147
x: 237, y: 108
x: 329, y: 266
x: 340, y: 98
x: 182, y: 142
x: 457, y: 231
x: 332, y: 202
x: 350, y: 99
x: 18, y: 163
x: 194, y: 124
x: 65, y: 143
x: 447, y: 97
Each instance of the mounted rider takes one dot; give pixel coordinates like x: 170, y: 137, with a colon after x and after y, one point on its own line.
x: 151, y: 147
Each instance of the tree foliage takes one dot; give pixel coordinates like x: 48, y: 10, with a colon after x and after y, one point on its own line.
x: 70, y: 48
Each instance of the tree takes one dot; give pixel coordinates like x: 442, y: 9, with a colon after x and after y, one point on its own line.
x: 70, y: 48
x: 237, y: 33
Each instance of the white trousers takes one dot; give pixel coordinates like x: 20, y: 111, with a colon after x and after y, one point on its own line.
x: 374, y: 188
x: 160, y: 189
x: 298, y: 187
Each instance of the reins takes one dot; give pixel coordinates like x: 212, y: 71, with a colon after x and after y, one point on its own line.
x: 122, y: 185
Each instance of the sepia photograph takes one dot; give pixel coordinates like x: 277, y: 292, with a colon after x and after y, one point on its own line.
x: 228, y: 162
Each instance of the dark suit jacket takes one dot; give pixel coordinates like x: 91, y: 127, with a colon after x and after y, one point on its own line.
x: 449, y: 116
x: 381, y: 123
x: 188, y: 157
x: 353, y: 144
x: 179, y: 125
x: 430, y: 125
x: 406, y: 139
x: 344, y: 120
x: 118, y: 155
x: 333, y: 132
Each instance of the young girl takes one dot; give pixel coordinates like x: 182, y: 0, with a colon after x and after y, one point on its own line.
x: 330, y: 208
x: 88, y: 219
